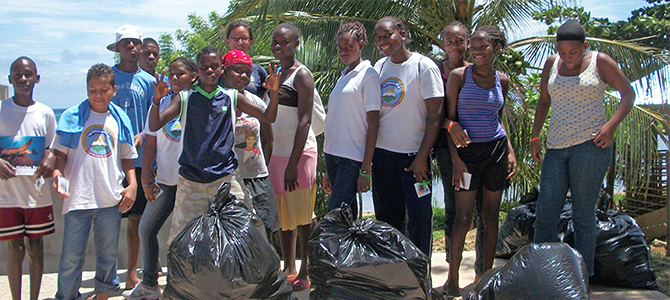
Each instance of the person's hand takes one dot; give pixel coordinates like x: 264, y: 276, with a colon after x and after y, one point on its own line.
x: 128, y: 199
x: 459, y: 168
x: 420, y: 169
x: 161, y: 88
x: 363, y: 183
x: 536, y: 150
x: 325, y: 184
x: 138, y: 140
x: 47, y: 165
x: 511, y: 164
x: 56, y: 174
x: 7, y: 171
x: 291, y: 178
x: 458, y: 136
x: 272, y: 80
x: 603, y: 138
x: 150, y: 191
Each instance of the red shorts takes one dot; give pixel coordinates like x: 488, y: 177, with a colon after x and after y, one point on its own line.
x: 18, y: 222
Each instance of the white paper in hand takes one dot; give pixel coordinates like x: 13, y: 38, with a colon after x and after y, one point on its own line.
x: 465, y: 182
x: 62, y: 185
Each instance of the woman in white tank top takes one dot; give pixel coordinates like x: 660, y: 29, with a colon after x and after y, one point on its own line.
x: 579, y: 138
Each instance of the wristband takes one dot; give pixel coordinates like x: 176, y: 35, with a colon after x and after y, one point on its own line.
x: 425, y: 182
x: 451, y: 125
x: 154, y: 104
x: 143, y: 138
x: 537, y: 138
x: 364, y: 173
x: 147, y: 184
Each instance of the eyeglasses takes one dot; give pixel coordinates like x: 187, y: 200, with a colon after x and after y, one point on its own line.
x: 239, y: 39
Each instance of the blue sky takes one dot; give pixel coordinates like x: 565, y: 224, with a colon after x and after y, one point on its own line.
x: 66, y: 37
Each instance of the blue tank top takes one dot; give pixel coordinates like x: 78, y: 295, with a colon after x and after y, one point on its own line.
x: 209, y: 135
x: 478, y: 109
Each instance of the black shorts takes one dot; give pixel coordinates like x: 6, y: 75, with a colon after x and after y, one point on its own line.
x: 487, y: 162
x: 140, y: 199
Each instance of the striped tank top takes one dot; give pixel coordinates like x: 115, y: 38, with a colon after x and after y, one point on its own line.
x: 478, y: 109
x: 577, y: 102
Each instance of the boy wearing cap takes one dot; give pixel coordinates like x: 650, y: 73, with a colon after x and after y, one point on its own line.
x: 28, y: 128
x: 134, y: 92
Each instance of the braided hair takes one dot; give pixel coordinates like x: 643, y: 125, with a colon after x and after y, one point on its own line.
x: 497, y: 36
x: 356, y: 28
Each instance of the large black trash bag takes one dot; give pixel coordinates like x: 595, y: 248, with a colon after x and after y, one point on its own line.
x: 224, y: 255
x: 537, y: 271
x: 364, y: 259
x: 622, y: 252
x: 518, y: 228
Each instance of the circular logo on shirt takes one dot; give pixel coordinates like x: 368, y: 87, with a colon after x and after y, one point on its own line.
x: 172, y: 130
x: 393, y: 92
x: 98, y: 141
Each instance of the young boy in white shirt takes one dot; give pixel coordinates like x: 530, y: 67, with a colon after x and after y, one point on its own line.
x: 95, y: 150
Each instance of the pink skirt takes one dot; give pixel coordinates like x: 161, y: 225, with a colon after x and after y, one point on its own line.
x: 297, y: 207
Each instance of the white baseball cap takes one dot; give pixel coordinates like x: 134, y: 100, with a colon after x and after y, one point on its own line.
x: 125, y: 32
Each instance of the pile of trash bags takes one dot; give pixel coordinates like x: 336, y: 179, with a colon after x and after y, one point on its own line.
x: 364, y: 259
x: 622, y: 252
x: 224, y: 254
x: 537, y: 271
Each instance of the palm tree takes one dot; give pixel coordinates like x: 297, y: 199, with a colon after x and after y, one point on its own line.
x: 320, y: 19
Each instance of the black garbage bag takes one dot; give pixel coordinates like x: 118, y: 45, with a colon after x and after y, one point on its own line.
x: 224, y: 255
x: 537, y: 271
x: 516, y: 231
x: 364, y: 259
x: 622, y: 252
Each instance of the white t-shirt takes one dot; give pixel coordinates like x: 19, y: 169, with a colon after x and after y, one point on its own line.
x: 34, y: 128
x: 355, y: 93
x: 168, y: 147
x: 250, y: 158
x: 94, y: 167
x: 404, y: 89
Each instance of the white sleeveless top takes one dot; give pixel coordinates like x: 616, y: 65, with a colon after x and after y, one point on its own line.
x: 287, y: 123
x: 578, y: 109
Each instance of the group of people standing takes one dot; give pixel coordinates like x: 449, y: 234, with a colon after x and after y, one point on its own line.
x: 223, y: 118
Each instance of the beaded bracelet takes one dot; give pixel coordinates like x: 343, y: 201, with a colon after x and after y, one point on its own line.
x: 147, y: 184
x: 537, y: 138
x: 364, y: 174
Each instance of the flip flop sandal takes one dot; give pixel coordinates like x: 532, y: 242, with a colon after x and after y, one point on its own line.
x: 300, y: 284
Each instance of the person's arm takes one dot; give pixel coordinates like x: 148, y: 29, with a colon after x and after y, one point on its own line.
x: 511, y: 157
x: 372, y: 118
x: 304, y: 85
x: 156, y: 119
x: 456, y: 136
x: 130, y: 191
x: 61, y: 158
x: 541, y: 111
x: 267, y: 140
x: 268, y: 114
x: 611, y: 74
x: 7, y: 171
x: 148, y: 157
x: 420, y: 166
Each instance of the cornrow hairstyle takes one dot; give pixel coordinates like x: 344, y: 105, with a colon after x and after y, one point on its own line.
x: 207, y: 50
x: 190, y: 65
x: 356, y: 28
x: 458, y: 25
x: 102, y: 71
x: 239, y: 23
x: 297, y: 34
x: 400, y: 25
x: 497, y: 36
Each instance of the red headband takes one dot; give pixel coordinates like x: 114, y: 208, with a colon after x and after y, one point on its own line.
x: 234, y: 57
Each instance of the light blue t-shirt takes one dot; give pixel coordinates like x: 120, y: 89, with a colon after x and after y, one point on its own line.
x: 133, y: 94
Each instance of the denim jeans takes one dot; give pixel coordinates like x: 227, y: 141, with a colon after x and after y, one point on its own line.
x: 443, y: 158
x: 580, y: 168
x: 393, y: 194
x: 343, y: 177
x: 153, y: 218
x: 106, y: 223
